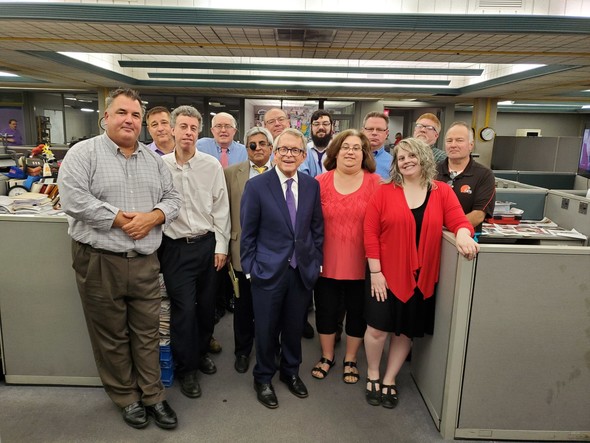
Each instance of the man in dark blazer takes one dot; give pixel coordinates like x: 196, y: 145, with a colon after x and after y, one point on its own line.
x: 258, y: 141
x: 281, y: 254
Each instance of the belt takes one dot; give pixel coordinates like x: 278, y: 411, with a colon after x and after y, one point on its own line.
x: 128, y: 254
x: 194, y: 239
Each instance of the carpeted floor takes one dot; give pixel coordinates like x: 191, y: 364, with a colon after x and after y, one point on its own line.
x: 227, y: 411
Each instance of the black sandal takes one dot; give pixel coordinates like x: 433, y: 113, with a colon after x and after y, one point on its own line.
x: 355, y: 375
x: 389, y: 396
x: 373, y: 395
x: 317, y: 368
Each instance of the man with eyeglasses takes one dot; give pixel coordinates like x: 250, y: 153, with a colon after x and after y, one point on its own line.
x: 473, y: 183
x: 158, y: 124
x: 259, y: 143
x: 281, y: 254
x: 427, y: 128
x: 276, y: 121
x: 222, y: 146
x: 376, y: 128
x: 321, y: 135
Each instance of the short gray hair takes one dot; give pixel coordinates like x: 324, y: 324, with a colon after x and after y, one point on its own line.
x: 294, y: 132
x: 224, y: 114
x: 466, y: 126
x: 424, y: 154
x: 188, y: 111
x: 257, y: 130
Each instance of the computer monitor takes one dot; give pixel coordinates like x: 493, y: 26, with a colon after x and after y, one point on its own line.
x: 584, y: 164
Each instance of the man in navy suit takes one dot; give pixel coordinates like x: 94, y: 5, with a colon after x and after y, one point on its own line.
x: 281, y: 254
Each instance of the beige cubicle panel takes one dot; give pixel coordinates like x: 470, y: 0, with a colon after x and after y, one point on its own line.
x: 44, y: 335
x: 509, y: 355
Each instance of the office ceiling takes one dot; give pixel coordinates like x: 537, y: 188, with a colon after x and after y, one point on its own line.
x: 426, y: 57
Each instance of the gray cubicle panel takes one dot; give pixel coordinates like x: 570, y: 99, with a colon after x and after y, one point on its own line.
x: 536, y: 153
x: 581, y: 182
x: 44, y: 335
x: 566, y: 209
x: 508, y: 358
x: 505, y: 183
x: 531, y: 201
x: 548, y: 179
x: 506, y: 174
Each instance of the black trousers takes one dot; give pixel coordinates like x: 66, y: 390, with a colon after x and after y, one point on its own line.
x: 243, y: 318
x: 191, y: 282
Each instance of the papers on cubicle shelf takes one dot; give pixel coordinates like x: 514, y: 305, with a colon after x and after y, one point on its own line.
x: 544, y: 223
x: 572, y: 233
x: 547, y: 229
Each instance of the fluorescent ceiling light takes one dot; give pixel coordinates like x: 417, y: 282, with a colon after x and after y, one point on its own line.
x: 7, y: 74
x: 506, y: 102
x: 86, y: 110
x: 586, y: 107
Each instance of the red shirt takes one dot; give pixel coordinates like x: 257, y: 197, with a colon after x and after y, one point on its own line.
x: 344, y: 252
x: 390, y: 236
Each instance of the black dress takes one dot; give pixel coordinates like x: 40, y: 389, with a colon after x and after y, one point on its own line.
x: 413, y: 318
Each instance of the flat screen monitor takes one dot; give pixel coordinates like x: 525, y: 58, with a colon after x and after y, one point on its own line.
x: 584, y: 164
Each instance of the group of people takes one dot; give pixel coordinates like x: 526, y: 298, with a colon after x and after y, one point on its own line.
x: 338, y: 218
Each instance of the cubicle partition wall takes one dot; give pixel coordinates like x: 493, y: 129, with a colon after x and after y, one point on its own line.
x: 44, y: 336
x: 571, y: 212
x: 508, y: 358
x: 531, y: 201
x: 536, y: 153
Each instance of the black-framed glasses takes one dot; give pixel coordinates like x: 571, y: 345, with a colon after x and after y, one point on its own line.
x: 425, y: 127
x: 380, y: 130
x: 295, y: 152
x: 324, y: 124
x: 453, y: 175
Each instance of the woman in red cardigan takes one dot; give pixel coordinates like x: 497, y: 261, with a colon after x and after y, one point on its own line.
x: 403, y: 230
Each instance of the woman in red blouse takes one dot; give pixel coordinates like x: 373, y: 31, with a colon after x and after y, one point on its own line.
x: 345, y: 190
x: 403, y: 230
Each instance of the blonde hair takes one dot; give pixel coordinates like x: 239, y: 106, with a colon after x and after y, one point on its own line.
x: 424, y: 154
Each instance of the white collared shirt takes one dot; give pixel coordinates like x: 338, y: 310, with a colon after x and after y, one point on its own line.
x: 294, y: 186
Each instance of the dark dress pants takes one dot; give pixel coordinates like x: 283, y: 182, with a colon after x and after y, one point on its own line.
x: 243, y: 318
x: 281, y: 310
x: 191, y: 282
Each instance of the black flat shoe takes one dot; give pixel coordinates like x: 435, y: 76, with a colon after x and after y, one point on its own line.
x: 206, y: 365
x: 163, y: 414
x: 189, y: 385
x: 295, y: 385
x: 389, y: 398
x: 266, y: 395
x: 242, y: 363
x: 373, y: 395
x: 308, y: 331
x: 135, y: 415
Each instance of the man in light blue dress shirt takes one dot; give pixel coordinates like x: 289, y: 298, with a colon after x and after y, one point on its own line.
x: 376, y: 128
x: 222, y: 146
x: 322, y: 130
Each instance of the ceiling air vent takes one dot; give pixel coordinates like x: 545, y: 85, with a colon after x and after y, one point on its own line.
x: 304, y: 35
x: 499, y: 3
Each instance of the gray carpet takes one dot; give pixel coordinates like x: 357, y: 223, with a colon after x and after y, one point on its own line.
x: 227, y: 411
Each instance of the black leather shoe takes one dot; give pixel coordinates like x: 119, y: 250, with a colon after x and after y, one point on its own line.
x: 206, y: 365
x: 214, y: 346
x: 266, y: 395
x: 308, y: 331
x: 189, y: 385
x: 242, y: 363
x: 163, y: 414
x: 135, y: 415
x: 295, y: 385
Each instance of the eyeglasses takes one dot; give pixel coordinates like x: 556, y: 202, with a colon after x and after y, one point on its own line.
x: 356, y: 148
x: 253, y: 146
x: 380, y: 130
x: 224, y: 127
x: 453, y: 175
x: 295, y: 152
x: 425, y: 127
x: 274, y: 120
x: 323, y: 124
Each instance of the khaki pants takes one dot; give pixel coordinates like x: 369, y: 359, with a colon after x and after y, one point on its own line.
x: 121, y: 301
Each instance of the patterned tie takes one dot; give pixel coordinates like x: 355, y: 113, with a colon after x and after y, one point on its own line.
x: 293, y: 213
x: 224, y: 158
x: 260, y: 169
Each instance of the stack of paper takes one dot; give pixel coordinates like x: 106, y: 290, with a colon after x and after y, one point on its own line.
x: 164, y: 314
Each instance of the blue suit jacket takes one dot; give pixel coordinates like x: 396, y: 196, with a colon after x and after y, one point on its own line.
x: 268, y: 239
